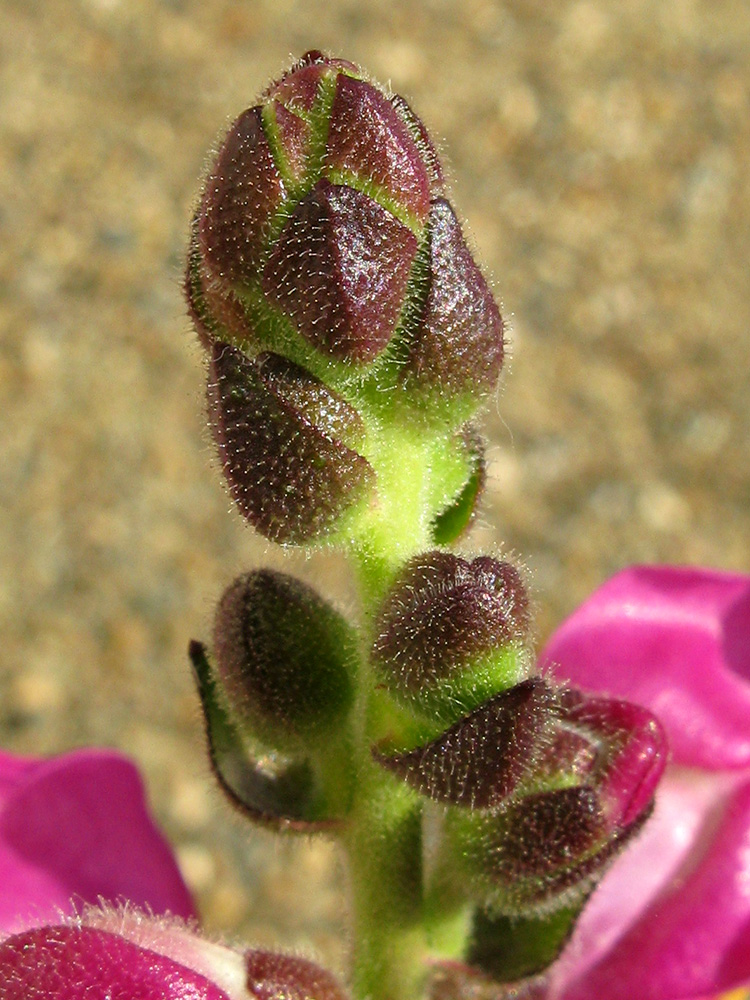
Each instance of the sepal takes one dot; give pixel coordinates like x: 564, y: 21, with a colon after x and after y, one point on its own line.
x: 511, y: 948
x: 316, y: 272
x: 271, y: 790
x: 583, y: 799
x: 455, y: 520
x: 242, y: 194
x: 273, y: 976
x: 480, y: 760
x: 457, y: 347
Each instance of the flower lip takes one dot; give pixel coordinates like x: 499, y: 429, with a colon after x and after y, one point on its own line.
x: 702, y: 909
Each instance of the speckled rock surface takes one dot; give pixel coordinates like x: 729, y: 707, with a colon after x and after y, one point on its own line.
x: 599, y: 158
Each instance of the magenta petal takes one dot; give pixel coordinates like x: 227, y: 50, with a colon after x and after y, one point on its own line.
x: 77, y: 827
x: 84, y: 963
x: 642, y: 873
x: 693, y: 937
x: 676, y: 640
x: 637, y: 757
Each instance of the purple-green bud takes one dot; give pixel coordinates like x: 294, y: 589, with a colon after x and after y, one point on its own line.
x: 285, y: 658
x: 324, y: 226
x: 272, y: 975
x: 481, y: 759
x: 574, y: 809
x: 287, y: 445
x: 442, y: 619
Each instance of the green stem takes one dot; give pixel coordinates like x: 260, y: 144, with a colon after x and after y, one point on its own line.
x: 392, y: 930
x: 384, y: 846
x: 417, y: 475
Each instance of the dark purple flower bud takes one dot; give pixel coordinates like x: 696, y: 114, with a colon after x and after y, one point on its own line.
x: 443, y: 617
x: 287, y: 445
x: 481, y: 759
x: 284, y: 656
x: 458, y: 345
x: 273, y: 976
x: 578, y: 810
x: 324, y: 225
x: 340, y: 269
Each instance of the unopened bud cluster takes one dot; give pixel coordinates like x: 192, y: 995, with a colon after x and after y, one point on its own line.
x: 540, y: 785
x: 349, y: 337
x: 332, y: 288
x: 544, y: 785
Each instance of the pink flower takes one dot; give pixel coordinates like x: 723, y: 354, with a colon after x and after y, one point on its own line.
x: 75, y: 830
x: 122, y: 955
x: 671, y: 920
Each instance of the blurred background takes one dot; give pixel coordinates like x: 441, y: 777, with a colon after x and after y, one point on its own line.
x: 598, y: 155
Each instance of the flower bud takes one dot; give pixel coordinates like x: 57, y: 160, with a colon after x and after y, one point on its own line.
x: 284, y: 656
x: 118, y: 954
x: 323, y: 231
x: 449, y: 631
x: 577, y: 810
x: 481, y: 759
x: 271, y: 976
x: 287, y: 445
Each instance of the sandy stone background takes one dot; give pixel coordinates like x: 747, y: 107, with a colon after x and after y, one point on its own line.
x: 598, y: 154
